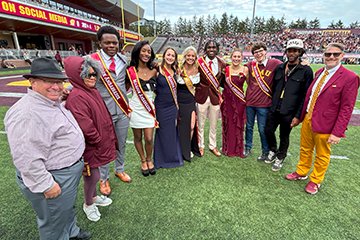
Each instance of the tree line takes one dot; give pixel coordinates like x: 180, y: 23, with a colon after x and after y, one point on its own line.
x: 211, y: 25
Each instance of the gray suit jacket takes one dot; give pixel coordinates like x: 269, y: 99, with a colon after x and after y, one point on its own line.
x: 120, y: 81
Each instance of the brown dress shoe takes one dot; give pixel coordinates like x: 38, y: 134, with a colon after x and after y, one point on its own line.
x: 105, y: 188
x: 123, y: 177
x: 201, y: 151
x: 215, y: 152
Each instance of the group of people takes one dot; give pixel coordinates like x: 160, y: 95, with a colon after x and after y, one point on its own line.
x: 84, y: 133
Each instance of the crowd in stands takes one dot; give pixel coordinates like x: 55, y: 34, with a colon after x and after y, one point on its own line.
x: 314, y: 42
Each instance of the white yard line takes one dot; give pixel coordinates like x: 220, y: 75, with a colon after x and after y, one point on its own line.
x: 339, y: 157
x: 12, y: 94
x: 12, y: 76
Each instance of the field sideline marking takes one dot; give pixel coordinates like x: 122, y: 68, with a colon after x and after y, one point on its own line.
x: 12, y: 94
x: 12, y: 76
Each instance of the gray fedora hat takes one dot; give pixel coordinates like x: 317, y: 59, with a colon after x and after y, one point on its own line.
x: 47, y: 68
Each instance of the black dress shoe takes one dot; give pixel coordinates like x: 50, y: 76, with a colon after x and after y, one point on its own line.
x: 145, y: 172
x: 82, y: 235
x: 152, y: 171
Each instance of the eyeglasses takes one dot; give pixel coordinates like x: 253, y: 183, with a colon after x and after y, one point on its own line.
x: 93, y: 74
x: 335, y: 54
x: 258, y: 51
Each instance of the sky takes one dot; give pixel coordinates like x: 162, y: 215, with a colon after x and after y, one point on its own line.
x: 347, y: 11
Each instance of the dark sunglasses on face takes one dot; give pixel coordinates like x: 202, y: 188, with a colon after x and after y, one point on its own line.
x: 94, y: 74
x: 335, y: 54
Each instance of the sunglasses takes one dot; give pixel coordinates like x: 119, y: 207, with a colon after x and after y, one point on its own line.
x: 93, y: 74
x: 335, y: 54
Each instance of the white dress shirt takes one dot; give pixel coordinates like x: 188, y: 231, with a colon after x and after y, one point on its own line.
x: 119, y: 63
x: 214, y: 65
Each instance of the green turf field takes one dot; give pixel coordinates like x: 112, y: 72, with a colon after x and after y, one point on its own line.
x: 210, y: 198
x: 14, y: 72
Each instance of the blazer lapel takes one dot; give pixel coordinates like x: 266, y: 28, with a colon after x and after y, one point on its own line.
x: 331, y: 81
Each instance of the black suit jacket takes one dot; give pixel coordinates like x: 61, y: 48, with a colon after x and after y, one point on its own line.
x: 295, y: 88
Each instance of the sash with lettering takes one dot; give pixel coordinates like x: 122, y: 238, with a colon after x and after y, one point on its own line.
x: 235, y: 89
x: 171, y: 83
x: 135, y: 83
x: 111, y: 85
x: 262, y: 84
x: 188, y: 83
x: 210, y: 76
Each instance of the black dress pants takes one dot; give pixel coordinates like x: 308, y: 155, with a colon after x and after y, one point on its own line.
x: 274, y: 119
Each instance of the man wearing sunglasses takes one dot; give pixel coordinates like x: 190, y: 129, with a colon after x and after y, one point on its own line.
x: 327, y: 110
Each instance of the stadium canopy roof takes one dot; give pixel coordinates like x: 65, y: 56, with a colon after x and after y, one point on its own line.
x: 110, y: 8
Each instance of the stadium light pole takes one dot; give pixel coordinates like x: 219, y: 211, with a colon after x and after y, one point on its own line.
x: 252, y: 22
x: 154, y: 18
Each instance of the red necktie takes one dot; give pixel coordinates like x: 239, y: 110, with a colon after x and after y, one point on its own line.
x: 210, y: 65
x: 112, y: 66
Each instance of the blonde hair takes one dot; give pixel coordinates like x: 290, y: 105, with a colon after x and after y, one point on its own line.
x: 236, y: 50
x: 185, y: 52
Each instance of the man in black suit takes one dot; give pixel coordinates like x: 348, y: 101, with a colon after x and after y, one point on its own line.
x: 291, y: 81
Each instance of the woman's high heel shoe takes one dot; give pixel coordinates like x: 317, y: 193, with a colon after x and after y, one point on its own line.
x: 145, y: 172
x: 152, y: 170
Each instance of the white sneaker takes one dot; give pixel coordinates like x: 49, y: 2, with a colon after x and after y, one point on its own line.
x: 278, y: 164
x: 270, y: 157
x: 102, y: 201
x: 191, y: 155
x: 92, y: 212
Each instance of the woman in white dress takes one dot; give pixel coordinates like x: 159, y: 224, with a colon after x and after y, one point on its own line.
x: 142, y: 121
x: 188, y: 78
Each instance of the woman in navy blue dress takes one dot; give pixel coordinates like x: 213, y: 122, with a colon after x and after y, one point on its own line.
x: 167, y: 152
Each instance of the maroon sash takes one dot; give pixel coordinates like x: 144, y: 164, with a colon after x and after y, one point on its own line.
x: 171, y: 83
x: 111, y: 85
x: 235, y: 89
x: 262, y: 84
x: 135, y: 83
x: 210, y: 76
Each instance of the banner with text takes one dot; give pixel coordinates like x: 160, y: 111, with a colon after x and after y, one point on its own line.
x: 40, y: 14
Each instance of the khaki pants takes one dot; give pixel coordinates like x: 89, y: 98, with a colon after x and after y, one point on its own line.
x: 213, y: 111
x: 308, y: 141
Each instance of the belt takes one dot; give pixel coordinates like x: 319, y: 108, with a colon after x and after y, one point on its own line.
x: 80, y: 160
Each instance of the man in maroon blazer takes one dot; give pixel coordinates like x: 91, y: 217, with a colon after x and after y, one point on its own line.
x: 207, y: 96
x: 328, y: 106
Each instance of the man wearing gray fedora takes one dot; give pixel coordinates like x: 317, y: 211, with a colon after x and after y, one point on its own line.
x: 47, y: 145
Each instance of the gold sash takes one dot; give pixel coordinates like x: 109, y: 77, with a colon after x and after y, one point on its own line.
x: 262, y: 84
x: 235, y: 89
x: 210, y: 76
x: 172, y: 84
x: 188, y: 83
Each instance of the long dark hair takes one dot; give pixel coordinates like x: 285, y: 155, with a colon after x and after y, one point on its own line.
x: 135, y: 55
x: 175, y: 64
